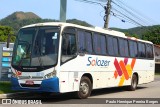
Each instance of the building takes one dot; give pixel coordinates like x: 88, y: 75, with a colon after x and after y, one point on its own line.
x: 157, y: 58
x: 5, y: 61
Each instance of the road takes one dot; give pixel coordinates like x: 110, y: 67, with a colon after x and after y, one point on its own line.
x: 150, y: 90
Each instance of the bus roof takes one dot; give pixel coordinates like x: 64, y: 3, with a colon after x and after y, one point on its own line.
x: 95, y: 29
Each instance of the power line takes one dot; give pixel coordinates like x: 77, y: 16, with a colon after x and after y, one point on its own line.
x: 131, y: 13
x: 146, y: 18
x: 122, y: 18
x: 90, y: 2
x: 107, y: 9
x: 127, y: 17
x: 126, y: 14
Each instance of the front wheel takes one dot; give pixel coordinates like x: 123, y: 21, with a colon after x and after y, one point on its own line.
x: 134, y: 83
x: 85, y: 88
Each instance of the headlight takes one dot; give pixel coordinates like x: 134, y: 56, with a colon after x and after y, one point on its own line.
x: 14, y: 75
x: 50, y: 75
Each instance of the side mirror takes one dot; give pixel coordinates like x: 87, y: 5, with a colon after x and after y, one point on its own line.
x: 81, y: 53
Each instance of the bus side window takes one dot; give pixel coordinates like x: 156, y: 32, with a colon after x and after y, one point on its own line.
x: 141, y: 50
x: 123, y: 46
x: 68, y: 47
x: 84, y: 42
x: 99, y: 44
x: 149, y: 51
x: 133, y: 49
x: 110, y: 45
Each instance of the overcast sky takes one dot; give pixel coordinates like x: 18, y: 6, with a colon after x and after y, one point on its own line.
x: 90, y: 13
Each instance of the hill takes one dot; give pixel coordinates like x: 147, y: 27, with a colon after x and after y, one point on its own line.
x: 18, y: 19
x: 137, y: 31
x: 21, y: 16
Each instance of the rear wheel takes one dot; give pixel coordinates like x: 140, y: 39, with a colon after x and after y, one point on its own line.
x: 134, y: 83
x: 85, y: 88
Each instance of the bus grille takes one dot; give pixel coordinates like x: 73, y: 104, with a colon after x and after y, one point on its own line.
x: 30, y: 86
x: 28, y: 77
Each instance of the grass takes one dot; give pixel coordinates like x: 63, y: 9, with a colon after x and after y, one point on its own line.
x: 157, y: 73
x: 5, y: 87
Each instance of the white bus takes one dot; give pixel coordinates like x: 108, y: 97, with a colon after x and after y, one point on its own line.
x: 62, y: 57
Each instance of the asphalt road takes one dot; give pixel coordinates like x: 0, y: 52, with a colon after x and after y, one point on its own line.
x: 150, y: 90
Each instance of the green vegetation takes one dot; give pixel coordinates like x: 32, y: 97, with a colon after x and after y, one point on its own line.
x: 157, y: 73
x: 4, y: 32
x: 5, y: 87
x: 150, y: 33
x: 82, y: 23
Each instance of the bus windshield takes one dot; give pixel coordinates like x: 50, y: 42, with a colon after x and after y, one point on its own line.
x: 36, y: 47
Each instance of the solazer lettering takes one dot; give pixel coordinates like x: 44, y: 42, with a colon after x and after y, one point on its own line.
x: 97, y: 62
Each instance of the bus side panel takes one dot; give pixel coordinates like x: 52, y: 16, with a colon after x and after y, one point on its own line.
x: 145, y: 70
x: 104, y: 75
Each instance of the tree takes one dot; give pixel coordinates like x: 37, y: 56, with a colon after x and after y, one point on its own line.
x: 152, y: 35
x: 4, y: 32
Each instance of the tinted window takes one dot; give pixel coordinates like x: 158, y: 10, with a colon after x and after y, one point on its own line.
x: 149, y: 51
x: 133, y: 49
x: 88, y: 42
x: 99, y: 44
x: 115, y: 46
x: 141, y: 50
x: 123, y: 46
x: 68, y: 47
x: 84, y: 42
x: 112, y: 45
x: 81, y: 41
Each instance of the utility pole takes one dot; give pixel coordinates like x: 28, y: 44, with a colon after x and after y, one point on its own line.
x: 107, y: 13
x: 63, y: 9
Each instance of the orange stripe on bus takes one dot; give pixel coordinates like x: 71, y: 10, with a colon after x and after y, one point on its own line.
x: 133, y: 63
x: 115, y: 74
x: 124, y: 70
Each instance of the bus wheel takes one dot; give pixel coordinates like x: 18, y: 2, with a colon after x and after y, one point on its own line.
x: 84, y: 88
x: 134, y: 83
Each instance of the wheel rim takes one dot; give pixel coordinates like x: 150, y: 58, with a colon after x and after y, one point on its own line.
x: 84, y: 88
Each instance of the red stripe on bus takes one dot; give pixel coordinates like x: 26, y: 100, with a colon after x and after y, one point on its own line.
x: 118, y: 68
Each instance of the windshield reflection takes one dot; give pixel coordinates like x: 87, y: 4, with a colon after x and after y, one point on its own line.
x: 36, y: 47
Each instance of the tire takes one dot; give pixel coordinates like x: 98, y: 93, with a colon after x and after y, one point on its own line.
x: 134, y: 83
x: 85, y: 88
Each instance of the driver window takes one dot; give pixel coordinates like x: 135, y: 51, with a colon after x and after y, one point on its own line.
x: 68, y: 47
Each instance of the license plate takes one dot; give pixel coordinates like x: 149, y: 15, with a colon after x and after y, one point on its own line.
x: 29, y: 82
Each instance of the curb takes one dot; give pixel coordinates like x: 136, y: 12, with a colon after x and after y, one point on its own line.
x: 3, y: 96
x: 11, y: 95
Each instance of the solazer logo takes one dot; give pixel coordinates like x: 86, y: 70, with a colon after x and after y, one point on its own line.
x: 123, y: 69
x: 97, y: 62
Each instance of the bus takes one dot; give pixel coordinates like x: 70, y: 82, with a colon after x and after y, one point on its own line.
x: 61, y: 57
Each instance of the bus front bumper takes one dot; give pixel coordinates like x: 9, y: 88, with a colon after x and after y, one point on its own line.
x: 48, y: 85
